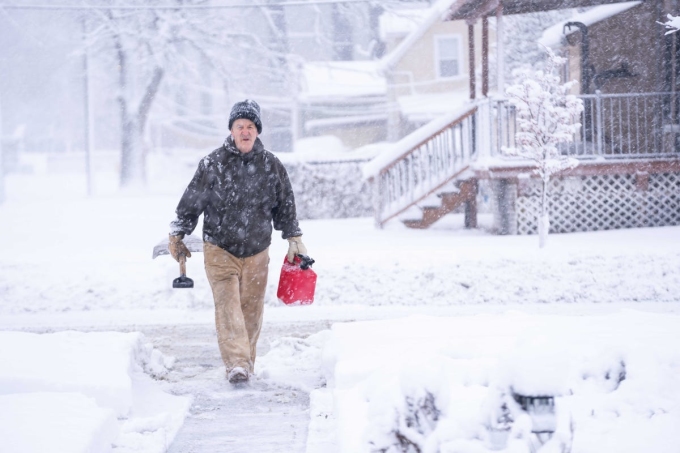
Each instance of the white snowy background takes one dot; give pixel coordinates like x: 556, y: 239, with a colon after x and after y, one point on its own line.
x: 418, y: 340
x: 444, y: 321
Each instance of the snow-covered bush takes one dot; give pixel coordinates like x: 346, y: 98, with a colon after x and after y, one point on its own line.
x: 329, y: 190
x: 547, y: 115
x: 417, y: 420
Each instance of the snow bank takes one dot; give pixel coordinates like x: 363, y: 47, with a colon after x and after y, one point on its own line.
x: 294, y: 362
x: 79, y: 383
x: 58, y: 422
x: 453, y: 384
x: 98, y: 365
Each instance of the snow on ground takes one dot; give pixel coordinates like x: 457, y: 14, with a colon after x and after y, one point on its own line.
x: 96, y: 385
x: 104, y: 262
x: 36, y: 422
x: 442, y: 384
x: 71, y: 262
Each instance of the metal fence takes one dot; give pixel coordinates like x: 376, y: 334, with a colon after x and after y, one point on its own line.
x: 613, y: 126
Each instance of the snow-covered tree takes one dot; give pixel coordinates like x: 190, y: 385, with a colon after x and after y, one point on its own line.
x: 547, y: 115
x: 147, y: 45
x: 142, y: 46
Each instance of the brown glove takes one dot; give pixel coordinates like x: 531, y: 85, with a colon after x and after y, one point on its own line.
x: 177, y: 247
x: 295, y: 247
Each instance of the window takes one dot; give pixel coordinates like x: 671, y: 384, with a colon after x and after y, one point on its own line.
x: 447, y: 49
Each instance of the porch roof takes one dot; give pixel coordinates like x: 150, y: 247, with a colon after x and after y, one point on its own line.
x: 474, y: 9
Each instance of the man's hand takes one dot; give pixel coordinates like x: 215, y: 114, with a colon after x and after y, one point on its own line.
x: 295, y: 247
x: 177, y: 247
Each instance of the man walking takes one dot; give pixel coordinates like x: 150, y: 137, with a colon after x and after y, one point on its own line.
x: 241, y: 189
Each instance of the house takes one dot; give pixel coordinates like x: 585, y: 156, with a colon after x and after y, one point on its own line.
x: 629, y: 170
x: 612, y: 48
x: 423, y: 74
x: 620, y: 49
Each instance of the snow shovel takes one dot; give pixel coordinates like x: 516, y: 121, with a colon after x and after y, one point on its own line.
x: 182, y: 281
x: 194, y: 244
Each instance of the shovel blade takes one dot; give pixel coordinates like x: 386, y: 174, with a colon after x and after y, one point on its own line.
x: 193, y: 243
x: 182, y: 282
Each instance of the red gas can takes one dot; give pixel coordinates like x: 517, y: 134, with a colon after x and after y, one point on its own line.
x: 297, y: 282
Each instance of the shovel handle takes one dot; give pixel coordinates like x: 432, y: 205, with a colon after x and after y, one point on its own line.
x: 182, y: 265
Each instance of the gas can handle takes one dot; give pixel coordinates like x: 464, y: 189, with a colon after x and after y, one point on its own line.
x: 305, y: 261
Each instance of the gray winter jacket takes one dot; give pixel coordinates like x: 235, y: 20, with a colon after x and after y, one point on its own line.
x: 240, y: 195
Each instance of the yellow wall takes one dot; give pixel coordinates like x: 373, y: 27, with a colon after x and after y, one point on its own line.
x: 416, y: 72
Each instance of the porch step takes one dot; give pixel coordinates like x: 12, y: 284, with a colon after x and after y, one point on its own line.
x: 467, y: 192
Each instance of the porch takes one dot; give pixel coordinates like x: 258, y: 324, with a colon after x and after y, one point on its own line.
x: 628, y: 173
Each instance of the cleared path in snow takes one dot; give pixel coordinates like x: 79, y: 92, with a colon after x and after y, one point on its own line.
x: 260, y: 417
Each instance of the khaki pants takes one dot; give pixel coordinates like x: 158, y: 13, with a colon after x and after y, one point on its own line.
x: 238, y: 286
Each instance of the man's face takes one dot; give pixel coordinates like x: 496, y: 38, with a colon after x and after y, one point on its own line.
x: 244, y: 132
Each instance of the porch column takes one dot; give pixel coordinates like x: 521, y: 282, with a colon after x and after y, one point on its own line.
x: 471, y: 205
x: 471, y: 59
x: 485, y: 56
x: 500, y: 64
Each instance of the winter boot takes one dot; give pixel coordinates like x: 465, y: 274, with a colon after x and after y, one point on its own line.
x: 237, y: 375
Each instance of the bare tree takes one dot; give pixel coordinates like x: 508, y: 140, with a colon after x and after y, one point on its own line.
x: 146, y: 45
x: 547, y: 115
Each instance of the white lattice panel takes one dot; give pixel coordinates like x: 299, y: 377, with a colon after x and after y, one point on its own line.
x: 590, y: 203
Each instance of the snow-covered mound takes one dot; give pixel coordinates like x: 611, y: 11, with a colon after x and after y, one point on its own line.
x: 96, y: 385
x: 456, y: 384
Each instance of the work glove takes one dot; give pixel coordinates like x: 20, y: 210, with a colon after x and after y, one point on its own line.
x: 295, y: 247
x: 177, y: 247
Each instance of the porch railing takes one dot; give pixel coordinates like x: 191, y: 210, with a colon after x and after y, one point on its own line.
x: 613, y: 126
x: 422, y: 163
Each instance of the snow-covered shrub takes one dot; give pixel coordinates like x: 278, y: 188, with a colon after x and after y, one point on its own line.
x: 331, y: 190
x: 547, y: 115
x: 412, y: 425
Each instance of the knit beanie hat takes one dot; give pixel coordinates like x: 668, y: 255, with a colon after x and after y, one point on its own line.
x: 247, y: 109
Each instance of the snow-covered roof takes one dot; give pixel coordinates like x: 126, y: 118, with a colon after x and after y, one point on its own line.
x: 435, y: 13
x: 401, y: 22
x: 333, y: 79
x: 337, y: 79
x: 425, y: 107
x: 552, y: 36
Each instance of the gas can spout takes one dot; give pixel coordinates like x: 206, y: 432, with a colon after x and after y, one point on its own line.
x: 305, y: 261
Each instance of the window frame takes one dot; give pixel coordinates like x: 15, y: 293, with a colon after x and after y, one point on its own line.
x: 437, y: 60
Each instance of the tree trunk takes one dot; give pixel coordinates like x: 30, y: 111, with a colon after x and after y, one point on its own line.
x: 133, y: 155
x: 543, y: 218
x: 133, y: 151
